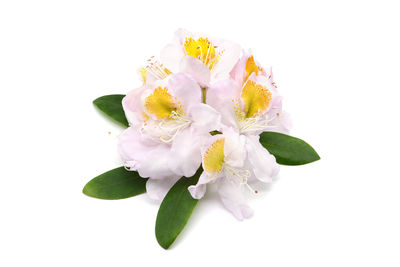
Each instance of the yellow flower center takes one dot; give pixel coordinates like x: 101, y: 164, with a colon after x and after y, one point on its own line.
x: 256, y: 98
x: 251, y: 67
x: 203, y: 50
x: 214, y: 156
x: 162, y: 104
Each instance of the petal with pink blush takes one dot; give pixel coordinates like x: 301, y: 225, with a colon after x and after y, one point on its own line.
x: 228, y: 59
x: 234, y: 149
x: 185, y: 157
x: 171, y: 57
x: 157, y: 188
x: 139, y: 153
x: 132, y: 106
x: 196, y: 69
x: 197, y: 191
x: 262, y: 163
x: 232, y: 196
x: 238, y: 71
x: 205, y: 118
x: 185, y: 89
x: 221, y: 96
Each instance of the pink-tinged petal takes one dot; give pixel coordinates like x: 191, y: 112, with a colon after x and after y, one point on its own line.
x: 234, y: 149
x: 132, y: 106
x: 157, y: 188
x: 205, y: 118
x: 223, y: 91
x: 155, y: 165
x: 196, y: 69
x: 232, y: 196
x: 222, y: 96
x: 181, y: 35
x: 185, y: 157
x: 285, y: 122
x: 131, y: 144
x: 239, y: 70
x: 229, y: 57
x: 171, y: 56
x: 185, y: 89
x: 262, y: 163
x: 144, y: 155
x: 197, y: 191
x: 281, y: 120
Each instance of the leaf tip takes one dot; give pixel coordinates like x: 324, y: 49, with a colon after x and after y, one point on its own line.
x: 316, y: 157
x: 164, y: 245
x: 96, y: 101
x: 86, y: 191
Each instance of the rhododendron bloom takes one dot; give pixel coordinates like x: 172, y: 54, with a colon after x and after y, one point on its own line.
x: 168, y: 124
x: 234, y: 162
x: 249, y: 101
x: 198, y: 118
x: 204, y: 58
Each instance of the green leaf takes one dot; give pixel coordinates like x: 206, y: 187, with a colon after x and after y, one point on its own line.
x: 175, y: 210
x: 111, y: 105
x: 116, y: 184
x: 288, y: 150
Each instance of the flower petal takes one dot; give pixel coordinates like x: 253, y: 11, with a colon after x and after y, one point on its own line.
x: 234, y: 149
x: 262, y: 162
x: 157, y: 188
x: 197, y: 69
x: 144, y: 155
x: 282, y: 121
x: 171, y: 56
x: 197, y: 191
x: 185, y: 89
x: 221, y: 96
x: 132, y: 105
x: 185, y: 157
x: 228, y: 59
x: 232, y: 197
x: 238, y: 71
x: 205, y: 118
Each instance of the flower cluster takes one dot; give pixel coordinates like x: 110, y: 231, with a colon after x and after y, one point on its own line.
x: 204, y: 103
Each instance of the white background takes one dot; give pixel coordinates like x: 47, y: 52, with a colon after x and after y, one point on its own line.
x: 335, y: 62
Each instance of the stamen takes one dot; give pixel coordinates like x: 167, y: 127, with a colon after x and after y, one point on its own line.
x: 177, y: 124
x: 208, y: 51
x: 170, y: 127
x: 157, y: 69
x: 256, y: 101
x: 242, y: 175
x: 258, y: 123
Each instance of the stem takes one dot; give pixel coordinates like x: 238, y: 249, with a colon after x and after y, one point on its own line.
x: 204, y: 94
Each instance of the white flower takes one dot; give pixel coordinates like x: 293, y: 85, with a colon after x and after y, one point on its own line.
x: 168, y: 124
x: 249, y: 104
x: 205, y: 59
x: 233, y: 162
x: 249, y: 101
